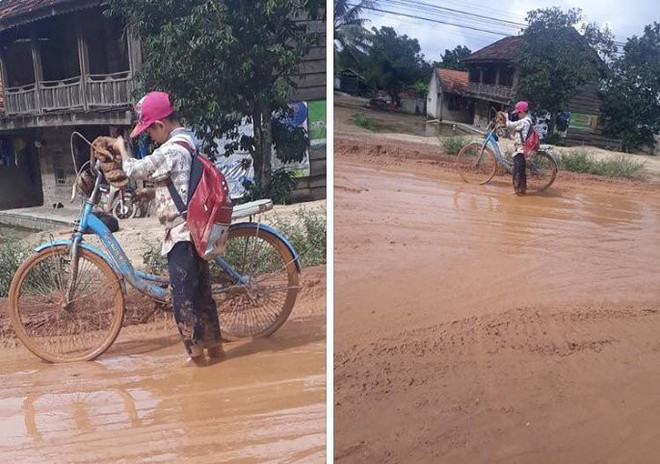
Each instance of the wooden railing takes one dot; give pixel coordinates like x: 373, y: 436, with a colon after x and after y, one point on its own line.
x: 93, y: 91
x: 61, y: 95
x: 499, y: 92
x: 107, y: 90
x: 21, y: 100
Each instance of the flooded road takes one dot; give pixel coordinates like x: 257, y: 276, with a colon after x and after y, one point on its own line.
x: 472, y: 325
x: 141, y: 401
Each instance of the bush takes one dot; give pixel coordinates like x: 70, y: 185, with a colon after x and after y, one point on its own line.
x: 12, y: 255
x: 307, y: 233
x: 154, y: 262
x: 282, y: 185
x: 618, y: 166
x: 361, y: 120
x: 452, y: 145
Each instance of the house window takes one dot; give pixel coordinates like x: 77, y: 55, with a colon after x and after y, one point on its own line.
x: 60, y: 176
x: 506, y: 77
x: 489, y: 76
x: 473, y: 75
x: 107, y: 43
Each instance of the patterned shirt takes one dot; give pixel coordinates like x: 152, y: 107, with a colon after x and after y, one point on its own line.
x: 522, y: 128
x: 169, y: 161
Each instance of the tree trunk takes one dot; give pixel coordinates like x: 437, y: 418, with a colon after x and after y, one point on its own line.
x: 263, y: 142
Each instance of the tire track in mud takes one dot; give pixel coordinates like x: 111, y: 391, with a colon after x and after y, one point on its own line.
x: 526, y: 331
x: 440, y: 388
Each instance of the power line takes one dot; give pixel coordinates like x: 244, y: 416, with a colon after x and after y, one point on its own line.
x: 427, y: 8
x: 395, y: 13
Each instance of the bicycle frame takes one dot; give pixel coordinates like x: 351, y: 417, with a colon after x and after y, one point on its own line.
x: 151, y: 285
x: 490, y: 139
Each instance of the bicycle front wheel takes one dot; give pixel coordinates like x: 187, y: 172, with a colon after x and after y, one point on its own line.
x: 260, y: 301
x: 541, y: 172
x: 476, y: 165
x: 57, y: 330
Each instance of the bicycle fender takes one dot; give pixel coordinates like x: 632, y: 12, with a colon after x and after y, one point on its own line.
x: 92, y: 249
x: 275, y: 232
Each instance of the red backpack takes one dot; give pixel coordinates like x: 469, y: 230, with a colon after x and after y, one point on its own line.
x: 532, y: 142
x: 209, y: 208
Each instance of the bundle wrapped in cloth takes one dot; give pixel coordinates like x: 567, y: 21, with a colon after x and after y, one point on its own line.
x: 501, y: 118
x: 104, y: 151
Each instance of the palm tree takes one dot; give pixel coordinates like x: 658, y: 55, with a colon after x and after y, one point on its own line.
x: 350, y: 31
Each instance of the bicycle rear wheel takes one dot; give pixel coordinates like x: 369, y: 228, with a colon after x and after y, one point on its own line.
x: 476, y: 165
x: 259, y: 304
x: 51, y: 328
x: 541, y: 172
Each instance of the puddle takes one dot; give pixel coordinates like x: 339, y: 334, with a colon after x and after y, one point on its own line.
x: 264, y: 403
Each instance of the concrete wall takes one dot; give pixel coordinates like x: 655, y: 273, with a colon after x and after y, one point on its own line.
x: 413, y: 105
x: 432, y: 108
x: 462, y: 115
x: 57, y: 169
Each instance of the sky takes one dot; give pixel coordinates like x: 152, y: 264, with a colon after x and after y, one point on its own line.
x: 625, y: 18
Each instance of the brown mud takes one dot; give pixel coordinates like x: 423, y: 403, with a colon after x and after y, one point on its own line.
x: 142, y: 402
x: 472, y: 325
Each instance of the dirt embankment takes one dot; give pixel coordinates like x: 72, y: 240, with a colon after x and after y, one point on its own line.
x: 472, y: 325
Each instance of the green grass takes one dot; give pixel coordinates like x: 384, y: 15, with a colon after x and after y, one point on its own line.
x: 582, y: 161
x: 452, y: 145
x: 361, y: 120
x: 305, y: 230
x: 12, y: 255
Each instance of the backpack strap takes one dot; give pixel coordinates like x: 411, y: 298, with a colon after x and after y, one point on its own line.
x: 178, y: 201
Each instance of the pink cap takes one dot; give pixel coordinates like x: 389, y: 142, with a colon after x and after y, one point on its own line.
x: 153, y: 107
x: 521, y: 107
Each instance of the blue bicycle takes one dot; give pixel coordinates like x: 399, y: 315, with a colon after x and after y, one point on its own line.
x: 478, y: 163
x: 67, y: 301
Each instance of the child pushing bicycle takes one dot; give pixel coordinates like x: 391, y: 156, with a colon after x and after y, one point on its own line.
x: 194, y: 308
x: 526, y: 142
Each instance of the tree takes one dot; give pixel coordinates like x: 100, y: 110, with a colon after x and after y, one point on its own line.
x: 631, y: 97
x: 394, y: 62
x: 554, y: 60
x: 223, y: 60
x: 453, y: 59
x: 351, y: 35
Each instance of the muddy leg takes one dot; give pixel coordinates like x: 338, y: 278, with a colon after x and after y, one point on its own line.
x: 184, y: 279
x: 519, y: 174
x: 208, y: 310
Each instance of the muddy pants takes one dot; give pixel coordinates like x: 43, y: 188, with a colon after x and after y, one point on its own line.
x: 519, y: 174
x: 194, y: 309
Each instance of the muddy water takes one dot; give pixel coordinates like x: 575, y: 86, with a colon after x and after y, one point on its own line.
x: 141, y: 403
x: 467, y: 245
x: 472, y: 325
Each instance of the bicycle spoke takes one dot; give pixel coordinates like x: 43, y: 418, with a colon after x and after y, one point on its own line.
x: 55, y: 329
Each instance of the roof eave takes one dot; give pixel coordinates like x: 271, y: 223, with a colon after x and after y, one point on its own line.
x: 47, y: 12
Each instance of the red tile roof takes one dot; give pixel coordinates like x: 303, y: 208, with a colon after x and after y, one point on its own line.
x: 502, y: 50
x: 453, y: 81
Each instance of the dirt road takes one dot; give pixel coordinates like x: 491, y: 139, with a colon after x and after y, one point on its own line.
x: 141, y: 402
x: 472, y: 325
